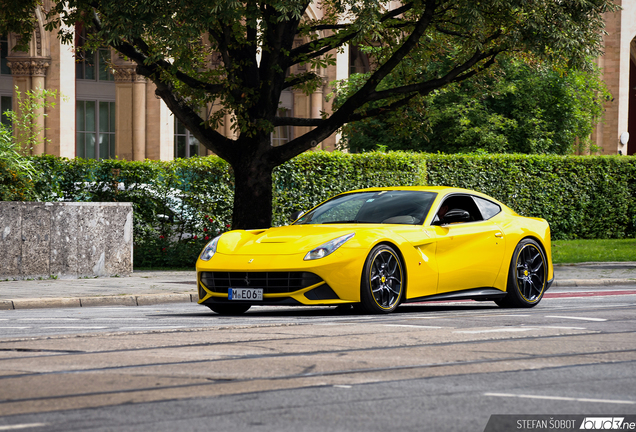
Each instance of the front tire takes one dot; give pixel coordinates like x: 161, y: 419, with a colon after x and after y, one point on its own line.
x: 382, y: 283
x: 229, y: 309
x: 527, y: 276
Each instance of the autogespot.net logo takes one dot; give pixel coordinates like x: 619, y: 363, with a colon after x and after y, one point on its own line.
x: 607, y: 423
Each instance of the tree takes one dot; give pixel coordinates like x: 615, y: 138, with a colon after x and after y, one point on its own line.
x: 173, y: 41
x: 519, y: 107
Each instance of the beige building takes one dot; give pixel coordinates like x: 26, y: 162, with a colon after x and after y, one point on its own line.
x: 107, y: 111
x: 619, y: 72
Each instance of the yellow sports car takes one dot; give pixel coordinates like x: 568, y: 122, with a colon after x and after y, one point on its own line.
x: 377, y: 248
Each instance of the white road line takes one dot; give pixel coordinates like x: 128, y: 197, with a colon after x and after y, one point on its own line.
x: 48, y: 319
x: 511, y: 315
x: 150, y: 327
x: 559, y: 398
x: 514, y: 329
x: 14, y: 328
x: 564, y: 328
x: 72, y: 328
x: 576, y: 318
x: 412, y: 326
x: 342, y: 386
x: 22, y: 426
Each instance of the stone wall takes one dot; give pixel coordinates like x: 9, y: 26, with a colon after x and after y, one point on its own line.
x: 65, y: 240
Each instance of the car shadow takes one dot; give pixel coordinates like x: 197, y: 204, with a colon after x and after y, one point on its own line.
x: 340, y: 311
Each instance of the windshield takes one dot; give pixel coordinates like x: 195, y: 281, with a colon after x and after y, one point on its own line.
x: 388, y: 207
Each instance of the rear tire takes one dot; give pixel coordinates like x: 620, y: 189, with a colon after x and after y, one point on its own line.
x: 382, y: 283
x: 229, y: 309
x: 527, y: 276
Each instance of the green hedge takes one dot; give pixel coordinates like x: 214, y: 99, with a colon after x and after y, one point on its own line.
x: 179, y: 204
x: 581, y: 196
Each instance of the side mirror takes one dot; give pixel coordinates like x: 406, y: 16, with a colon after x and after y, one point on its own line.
x: 295, y: 215
x: 456, y: 215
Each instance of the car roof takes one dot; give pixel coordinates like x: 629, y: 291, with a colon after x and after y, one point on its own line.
x: 437, y: 189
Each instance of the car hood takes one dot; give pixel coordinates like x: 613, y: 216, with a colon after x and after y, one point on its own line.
x: 291, y: 239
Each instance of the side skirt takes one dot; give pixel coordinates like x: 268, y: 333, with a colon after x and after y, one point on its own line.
x: 482, y: 294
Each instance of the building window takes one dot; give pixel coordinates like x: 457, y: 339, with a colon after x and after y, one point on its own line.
x: 282, y: 134
x: 91, y: 65
x: 5, y: 105
x: 95, y: 129
x: 358, y: 61
x: 185, y: 144
x: 4, y: 52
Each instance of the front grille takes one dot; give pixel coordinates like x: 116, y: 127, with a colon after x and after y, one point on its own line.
x: 271, y: 282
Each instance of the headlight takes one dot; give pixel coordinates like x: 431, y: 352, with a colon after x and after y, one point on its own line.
x: 327, y: 248
x: 210, y: 249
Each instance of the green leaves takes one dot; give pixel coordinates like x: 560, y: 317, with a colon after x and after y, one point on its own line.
x: 520, y: 107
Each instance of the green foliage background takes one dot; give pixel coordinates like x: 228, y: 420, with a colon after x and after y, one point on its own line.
x: 582, y: 197
x: 518, y: 107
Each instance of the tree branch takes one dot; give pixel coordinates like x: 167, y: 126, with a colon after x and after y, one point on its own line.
x: 296, y: 121
x: 458, y: 73
x: 334, y: 41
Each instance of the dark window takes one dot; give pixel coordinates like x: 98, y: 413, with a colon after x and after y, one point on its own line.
x: 487, y: 208
x: 282, y: 134
x: 5, y: 102
x: 4, y: 52
x: 91, y: 65
x: 388, y: 207
x: 95, y: 129
x: 458, y: 202
x: 185, y: 144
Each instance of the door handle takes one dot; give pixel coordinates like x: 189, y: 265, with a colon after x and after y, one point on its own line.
x: 499, y: 235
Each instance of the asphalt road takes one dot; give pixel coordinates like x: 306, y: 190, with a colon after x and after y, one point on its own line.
x: 428, y: 367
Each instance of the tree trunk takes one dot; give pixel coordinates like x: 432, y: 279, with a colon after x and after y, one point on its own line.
x: 252, y: 194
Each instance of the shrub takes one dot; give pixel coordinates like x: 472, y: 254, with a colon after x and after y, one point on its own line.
x: 181, y: 204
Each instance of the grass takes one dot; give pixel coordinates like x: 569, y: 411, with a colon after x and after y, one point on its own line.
x: 576, y: 251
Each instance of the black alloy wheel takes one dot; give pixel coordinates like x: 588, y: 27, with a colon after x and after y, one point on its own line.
x: 382, y: 282
x: 527, y: 276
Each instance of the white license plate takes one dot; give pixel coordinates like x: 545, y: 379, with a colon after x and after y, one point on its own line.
x: 245, y: 294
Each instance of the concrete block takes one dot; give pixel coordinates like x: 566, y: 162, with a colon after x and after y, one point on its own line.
x: 36, y: 244
x: 65, y: 240
x: 10, y: 239
x: 6, y: 305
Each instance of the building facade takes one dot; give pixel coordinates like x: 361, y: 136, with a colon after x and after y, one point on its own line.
x: 619, y: 73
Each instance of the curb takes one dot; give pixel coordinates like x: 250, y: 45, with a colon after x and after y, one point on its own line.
x: 592, y: 282
x: 153, y: 299
x: 130, y: 300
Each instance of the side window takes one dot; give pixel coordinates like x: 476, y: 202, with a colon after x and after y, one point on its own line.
x: 458, y: 202
x: 487, y: 208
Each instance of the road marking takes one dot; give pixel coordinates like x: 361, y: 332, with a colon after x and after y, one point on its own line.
x: 19, y: 328
x: 512, y: 315
x: 413, y: 326
x: 515, y: 329
x: 576, y: 318
x: 22, y: 426
x: 559, y: 398
x: 568, y: 294
x: 48, y: 319
x: 342, y: 386
x: 564, y: 328
x: 72, y: 328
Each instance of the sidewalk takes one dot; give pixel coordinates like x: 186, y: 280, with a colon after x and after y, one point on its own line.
x: 157, y: 287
